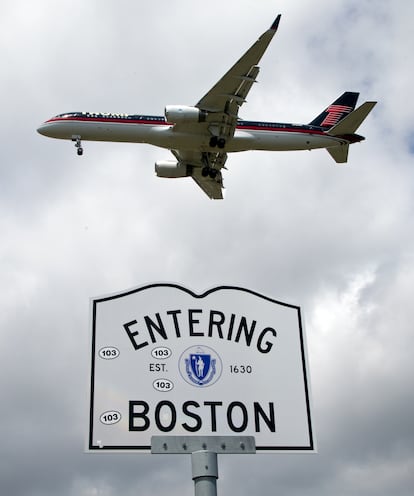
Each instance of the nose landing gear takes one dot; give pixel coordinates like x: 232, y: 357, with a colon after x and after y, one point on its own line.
x: 78, y: 144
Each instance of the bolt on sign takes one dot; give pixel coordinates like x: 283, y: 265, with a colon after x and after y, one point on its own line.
x: 228, y: 362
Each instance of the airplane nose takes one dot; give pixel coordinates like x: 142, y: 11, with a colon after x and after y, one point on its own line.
x: 54, y: 128
x: 42, y: 129
x: 46, y: 129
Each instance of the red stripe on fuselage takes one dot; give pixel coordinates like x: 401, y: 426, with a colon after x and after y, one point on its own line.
x: 262, y: 126
x: 108, y: 119
x: 279, y: 129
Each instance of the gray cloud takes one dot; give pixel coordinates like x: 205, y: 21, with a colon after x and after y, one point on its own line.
x: 336, y: 240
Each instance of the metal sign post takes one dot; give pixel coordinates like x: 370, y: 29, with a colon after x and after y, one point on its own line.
x: 203, y: 452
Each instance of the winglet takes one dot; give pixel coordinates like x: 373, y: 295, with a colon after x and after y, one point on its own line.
x: 275, y: 24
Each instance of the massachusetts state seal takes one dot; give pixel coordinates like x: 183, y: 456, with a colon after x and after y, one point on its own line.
x: 200, y: 366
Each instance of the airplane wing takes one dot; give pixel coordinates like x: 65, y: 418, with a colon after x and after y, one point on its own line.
x: 213, y: 187
x: 222, y: 105
x: 230, y: 92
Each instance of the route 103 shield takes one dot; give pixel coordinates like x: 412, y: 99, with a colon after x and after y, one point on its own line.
x: 168, y: 361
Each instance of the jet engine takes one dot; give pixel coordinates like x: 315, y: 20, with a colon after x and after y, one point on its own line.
x: 181, y: 113
x: 171, y: 168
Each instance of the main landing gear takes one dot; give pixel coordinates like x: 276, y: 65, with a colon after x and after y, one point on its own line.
x: 78, y: 144
x: 216, y: 141
x: 207, y: 170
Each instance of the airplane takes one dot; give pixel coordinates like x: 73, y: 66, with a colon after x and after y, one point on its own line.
x: 201, y: 136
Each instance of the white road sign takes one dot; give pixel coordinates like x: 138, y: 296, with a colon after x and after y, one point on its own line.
x: 228, y: 362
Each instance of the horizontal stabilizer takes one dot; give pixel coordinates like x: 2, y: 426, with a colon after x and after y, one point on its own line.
x: 352, y: 121
x: 339, y: 153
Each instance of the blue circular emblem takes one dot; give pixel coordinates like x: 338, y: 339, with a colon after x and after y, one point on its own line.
x: 200, y: 366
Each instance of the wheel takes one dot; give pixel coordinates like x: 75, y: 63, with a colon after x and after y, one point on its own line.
x: 205, y: 171
x: 80, y: 151
x: 213, y: 173
x: 221, y: 142
x: 213, y: 141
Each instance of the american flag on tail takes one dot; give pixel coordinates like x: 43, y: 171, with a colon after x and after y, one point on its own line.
x: 335, y: 114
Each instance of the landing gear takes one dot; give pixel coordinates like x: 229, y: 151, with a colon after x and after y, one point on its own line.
x: 207, y: 170
x: 78, y: 144
x: 216, y: 141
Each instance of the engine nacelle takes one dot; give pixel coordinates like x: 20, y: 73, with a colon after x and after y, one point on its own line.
x: 171, y: 168
x: 181, y: 113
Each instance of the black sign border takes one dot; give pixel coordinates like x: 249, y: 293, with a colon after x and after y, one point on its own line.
x: 144, y: 448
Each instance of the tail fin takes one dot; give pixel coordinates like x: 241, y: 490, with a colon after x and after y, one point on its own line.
x: 346, y: 128
x: 339, y: 109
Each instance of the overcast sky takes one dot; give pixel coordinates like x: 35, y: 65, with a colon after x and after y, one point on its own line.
x: 336, y: 240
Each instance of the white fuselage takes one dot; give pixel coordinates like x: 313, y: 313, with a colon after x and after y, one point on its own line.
x: 156, y: 131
